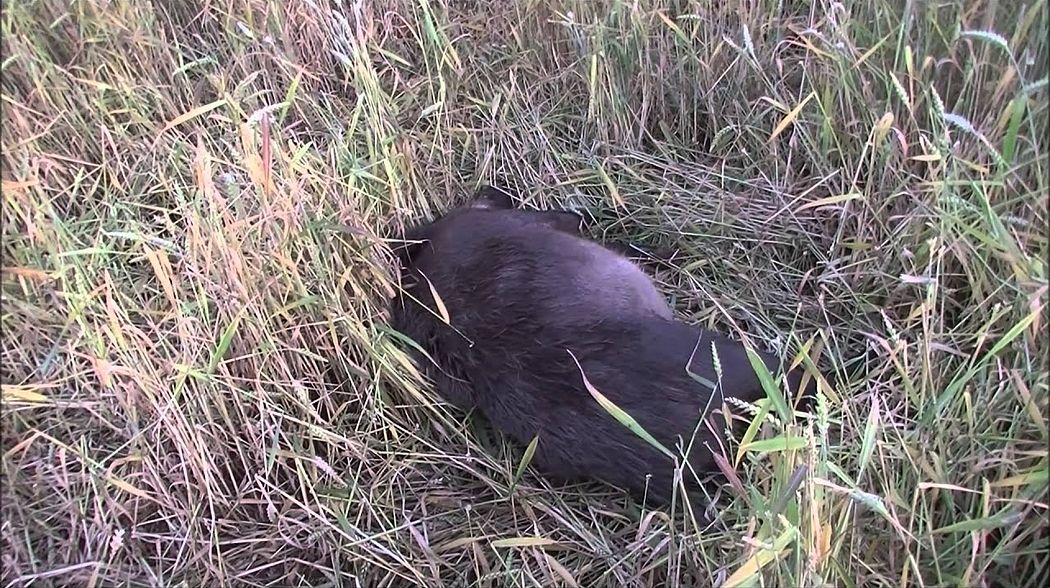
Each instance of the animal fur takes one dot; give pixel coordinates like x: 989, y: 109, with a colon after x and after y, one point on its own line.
x: 527, y: 297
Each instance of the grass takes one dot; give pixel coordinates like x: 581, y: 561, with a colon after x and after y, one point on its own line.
x: 199, y: 389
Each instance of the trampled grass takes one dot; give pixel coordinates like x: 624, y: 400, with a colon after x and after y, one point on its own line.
x: 199, y: 387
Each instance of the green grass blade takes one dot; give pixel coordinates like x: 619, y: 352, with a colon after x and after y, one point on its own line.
x: 526, y: 459
x: 772, y: 390
x: 620, y: 415
x: 224, y: 342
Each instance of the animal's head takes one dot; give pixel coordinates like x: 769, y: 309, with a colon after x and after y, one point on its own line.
x: 490, y: 205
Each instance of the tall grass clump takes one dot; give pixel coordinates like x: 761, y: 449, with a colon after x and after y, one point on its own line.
x: 199, y: 386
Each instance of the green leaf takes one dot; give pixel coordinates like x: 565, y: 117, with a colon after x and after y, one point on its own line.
x: 1004, y: 518
x: 769, y: 385
x: 618, y: 413
x: 867, y: 446
x: 779, y: 443
x: 1013, y: 128
x: 224, y: 342
x: 525, y: 461
x: 752, y: 429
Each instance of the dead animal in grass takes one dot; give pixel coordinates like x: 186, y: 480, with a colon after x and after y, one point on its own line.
x: 551, y: 335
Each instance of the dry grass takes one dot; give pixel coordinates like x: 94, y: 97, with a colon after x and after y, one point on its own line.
x: 199, y: 389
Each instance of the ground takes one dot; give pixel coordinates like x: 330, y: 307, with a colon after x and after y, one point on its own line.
x: 199, y: 387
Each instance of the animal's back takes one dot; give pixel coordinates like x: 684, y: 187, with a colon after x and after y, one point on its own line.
x: 491, y: 258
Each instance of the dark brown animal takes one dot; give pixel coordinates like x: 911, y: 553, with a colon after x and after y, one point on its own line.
x: 526, y: 298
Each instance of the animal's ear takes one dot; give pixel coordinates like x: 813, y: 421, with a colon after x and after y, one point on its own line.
x: 492, y: 198
x: 565, y: 221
